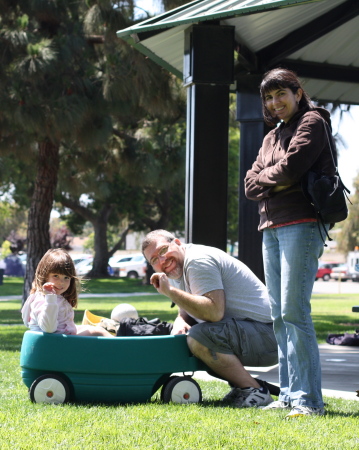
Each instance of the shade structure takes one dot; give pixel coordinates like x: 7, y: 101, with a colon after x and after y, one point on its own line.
x: 319, y: 39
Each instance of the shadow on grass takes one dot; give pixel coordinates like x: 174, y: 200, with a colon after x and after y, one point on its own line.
x: 11, y: 337
x: 10, y: 317
x: 333, y: 324
x: 336, y: 414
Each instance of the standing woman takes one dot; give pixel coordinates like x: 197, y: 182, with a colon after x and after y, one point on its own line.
x: 292, y: 242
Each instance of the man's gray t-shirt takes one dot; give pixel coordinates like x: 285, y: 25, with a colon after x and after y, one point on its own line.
x: 207, y: 269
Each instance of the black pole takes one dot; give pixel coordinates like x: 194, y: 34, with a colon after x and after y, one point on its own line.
x: 208, y: 73
x: 252, y: 131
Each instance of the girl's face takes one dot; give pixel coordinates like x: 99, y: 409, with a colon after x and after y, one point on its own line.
x: 283, y: 103
x: 60, y: 282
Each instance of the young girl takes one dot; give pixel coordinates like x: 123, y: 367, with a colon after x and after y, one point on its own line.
x: 53, y: 296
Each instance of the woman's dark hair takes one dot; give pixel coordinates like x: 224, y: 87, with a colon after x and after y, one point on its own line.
x: 60, y: 262
x: 277, y: 79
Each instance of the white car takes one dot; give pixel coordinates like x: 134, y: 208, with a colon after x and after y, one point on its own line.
x: 79, y: 257
x: 130, y: 266
x: 340, y: 273
x: 84, y: 267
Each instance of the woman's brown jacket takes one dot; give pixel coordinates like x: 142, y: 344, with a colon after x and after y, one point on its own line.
x: 287, y: 153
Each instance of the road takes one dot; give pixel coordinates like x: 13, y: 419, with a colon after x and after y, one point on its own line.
x: 336, y: 287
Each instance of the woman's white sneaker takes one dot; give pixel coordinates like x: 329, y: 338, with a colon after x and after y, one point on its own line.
x: 301, y: 410
x: 278, y: 404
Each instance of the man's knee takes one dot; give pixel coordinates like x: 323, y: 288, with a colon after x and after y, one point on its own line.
x: 192, y: 344
x: 196, y: 347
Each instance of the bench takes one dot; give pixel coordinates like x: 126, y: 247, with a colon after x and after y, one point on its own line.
x: 355, y: 309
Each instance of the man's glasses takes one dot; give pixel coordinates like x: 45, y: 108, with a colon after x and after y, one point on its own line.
x: 161, y: 253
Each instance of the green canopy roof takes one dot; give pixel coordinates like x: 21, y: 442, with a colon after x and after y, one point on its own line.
x: 317, y: 38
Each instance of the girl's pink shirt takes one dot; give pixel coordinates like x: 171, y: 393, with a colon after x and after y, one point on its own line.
x: 41, y: 313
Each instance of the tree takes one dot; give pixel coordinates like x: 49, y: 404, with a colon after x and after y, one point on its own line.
x: 138, y: 182
x: 133, y: 176
x: 348, y: 238
x: 66, y: 78
x: 233, y: 177
x: 52, y: 94
x: 12, y: 221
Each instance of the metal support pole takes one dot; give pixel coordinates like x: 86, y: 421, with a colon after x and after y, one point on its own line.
x: 207, y: 165
x: 253, y: 129
x: 208, y: 72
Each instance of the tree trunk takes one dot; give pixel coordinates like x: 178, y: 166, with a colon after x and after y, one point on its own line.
x: 99, y: 222
x: 100, y: 262
x: 38, y: 235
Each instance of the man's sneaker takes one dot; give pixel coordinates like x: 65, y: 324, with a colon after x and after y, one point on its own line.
x: 301, y: 410
x: 235, y: 395
x: 255, y: 397
x: 278, y: 404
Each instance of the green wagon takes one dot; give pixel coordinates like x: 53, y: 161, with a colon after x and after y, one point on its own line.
x: 58, y: 368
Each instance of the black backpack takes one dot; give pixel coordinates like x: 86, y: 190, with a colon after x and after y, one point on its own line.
x: 143, y: 327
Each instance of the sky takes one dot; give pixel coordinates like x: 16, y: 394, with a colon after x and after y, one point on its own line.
x: 348, y: 163
x: 152, y: 6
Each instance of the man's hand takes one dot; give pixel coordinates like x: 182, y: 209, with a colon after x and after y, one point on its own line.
x: 180, y: 326
x: 183, y: 323
x: 208, y: 307
x: 160, y: 281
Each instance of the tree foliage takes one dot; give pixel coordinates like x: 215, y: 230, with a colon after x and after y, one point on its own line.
x: 91, y: 122
x: 348, y: 238
x: 50, y: 95
x: 73, y: 95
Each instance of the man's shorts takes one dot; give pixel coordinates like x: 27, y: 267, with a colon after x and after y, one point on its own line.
x: 252, y: 342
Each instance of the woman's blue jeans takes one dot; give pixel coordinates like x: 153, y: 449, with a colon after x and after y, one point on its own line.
x: 290, y: 256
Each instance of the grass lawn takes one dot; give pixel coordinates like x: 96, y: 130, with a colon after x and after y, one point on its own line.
x: 154, y: 425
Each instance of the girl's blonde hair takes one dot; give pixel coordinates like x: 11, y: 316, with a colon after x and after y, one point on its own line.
x: 57, y: 260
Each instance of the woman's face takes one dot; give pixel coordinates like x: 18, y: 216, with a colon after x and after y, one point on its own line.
x: 282, y: 103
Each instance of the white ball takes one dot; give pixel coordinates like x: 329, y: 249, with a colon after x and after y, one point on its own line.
x: 122, y: 311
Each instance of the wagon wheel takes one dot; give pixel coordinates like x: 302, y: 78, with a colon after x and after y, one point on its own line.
x: 172, y: 377
x: 181, y: 390
x: 50, y: 388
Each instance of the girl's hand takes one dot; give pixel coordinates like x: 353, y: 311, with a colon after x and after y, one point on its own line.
x: 49, y: 288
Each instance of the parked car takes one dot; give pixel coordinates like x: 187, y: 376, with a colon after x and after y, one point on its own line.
x: 325, y: 270
x: 23, y: 257
x: 353, y: 264
x: 130, y: 266
x: 84, y: 267
x: 79, y: 257
x: 14, y: 266
x: 340, y: 273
